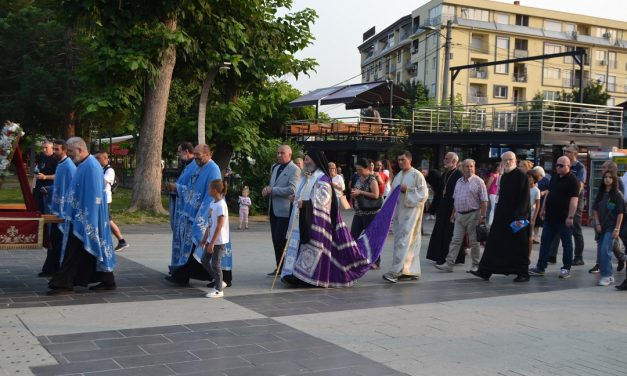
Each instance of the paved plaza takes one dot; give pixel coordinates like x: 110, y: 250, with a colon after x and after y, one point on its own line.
x: 444, y: 324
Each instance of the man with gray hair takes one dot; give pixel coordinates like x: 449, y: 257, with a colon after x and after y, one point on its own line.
x: 283, y: 177
x: 88, y: 256
x: 471, y: 203
x: 507, y: 248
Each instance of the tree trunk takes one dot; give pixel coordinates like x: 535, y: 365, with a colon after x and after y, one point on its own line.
x: 202, y: 104
x: 222, y: 155
x: 147, y: 184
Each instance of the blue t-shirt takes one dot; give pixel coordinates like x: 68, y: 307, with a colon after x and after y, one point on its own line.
x: 579, y: 170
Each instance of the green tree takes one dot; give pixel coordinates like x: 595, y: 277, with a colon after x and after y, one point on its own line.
x: 593, y: 93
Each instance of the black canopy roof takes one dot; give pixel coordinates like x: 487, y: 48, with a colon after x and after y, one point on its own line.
x: 354, y: 96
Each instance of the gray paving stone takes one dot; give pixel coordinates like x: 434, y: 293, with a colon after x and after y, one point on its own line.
x: 64, y: 338
x: 331, y: 362
x: 159, y: 370
x: 191, y: 336
x: 229, y: 351
x: 271, y: 369
x: 216, y: 364
x: 147, y: 360
x: 58, y: 348
x: 261, y: 329
x: 161, y: 348
x: 294, y: 344
x: 82, y: 356
x: 279, y: 356
x: 243, y: 340
x: 220, y: 325
x: 145, y: 340
x: 71, y: 368
x: 155, y: 330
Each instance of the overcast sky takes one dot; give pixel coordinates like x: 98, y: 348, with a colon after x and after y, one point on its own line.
x: 341, y: 23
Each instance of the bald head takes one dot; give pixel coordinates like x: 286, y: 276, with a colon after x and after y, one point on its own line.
x: 202, y: 154
x: 284, y: 154
x: 562, y: 167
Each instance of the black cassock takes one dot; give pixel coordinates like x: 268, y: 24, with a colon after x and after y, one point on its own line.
x: 443, y: 229
x: 507, y: 252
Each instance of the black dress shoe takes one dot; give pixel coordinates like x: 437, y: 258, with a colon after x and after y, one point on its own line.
x: 622, y: 286
x: 272, y: 274
x: 522, y: 278
x: 477, y: 273
x: 578, y: 261
x: 103, y: 287
x: 621, y: 265
x: 176, y: 281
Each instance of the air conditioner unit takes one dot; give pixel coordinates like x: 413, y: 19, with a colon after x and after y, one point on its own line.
x: 607, y: 35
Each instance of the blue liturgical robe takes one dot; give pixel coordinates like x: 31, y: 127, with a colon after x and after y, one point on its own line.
x: 86, y: 210
x: 62, y: 180
x: 193, y: 192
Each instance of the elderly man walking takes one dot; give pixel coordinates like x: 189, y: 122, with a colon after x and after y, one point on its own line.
x: 507, y: 250
x: 471, y: 203
x: 558, y: 213
x: 407, y: 221
x: 284, y: 175
x: 88, y: 255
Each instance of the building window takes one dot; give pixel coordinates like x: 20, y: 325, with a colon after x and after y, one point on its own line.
x: 435, y: 15
x: 476, y: 43
x: 399, y: 56
x: 551, y: 25
x: 522, y: 20
x: 390, y: 40
x: 448, y: 12
x: 379, y: 65
x: 611, y: 60
x: 550, y: 48
x: 415, y: 45
x: 502, y: 18
x: 602, y: 32
x: 500, y: 91
x: 475, y: 14
x: 600, y: 78
x: 502, y: 43
x: 569, y: 27
x: 551, y: 73
x: 434, y: 62
x: 501, y: 68
x: 569, y: 59
x: 398, y: 77
x: 433, y: 92
x: 611, y: 83
x: 521, y: 44
x: 551, y: 95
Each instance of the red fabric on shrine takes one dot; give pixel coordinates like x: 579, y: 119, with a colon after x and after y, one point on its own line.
x: 19, y: 232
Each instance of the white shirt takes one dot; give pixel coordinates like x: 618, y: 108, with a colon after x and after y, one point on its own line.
x: 217, y: 209
x: 534, y: 194
x: 339, y: 179
x: 109, y: 178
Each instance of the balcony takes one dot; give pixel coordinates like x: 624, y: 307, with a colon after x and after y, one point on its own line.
x: 521, y: 53
x: 477, y: 99
x: 519, y: 77
x: 480, y: 48
x: 361, y: 129
x: 478, y: 74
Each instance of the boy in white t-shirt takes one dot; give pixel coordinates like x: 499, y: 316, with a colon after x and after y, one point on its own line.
x: 217, y: 235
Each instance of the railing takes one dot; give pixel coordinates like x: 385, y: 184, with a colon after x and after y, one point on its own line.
x: 520, y: 77
x: 480, y: 48
x: 544, y: 116
x: 478, y: 99
x: 478, y: 74
x: 349, y: 129
x: 520, y: 53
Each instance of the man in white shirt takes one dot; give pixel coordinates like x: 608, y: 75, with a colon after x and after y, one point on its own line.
x: 109, y: 177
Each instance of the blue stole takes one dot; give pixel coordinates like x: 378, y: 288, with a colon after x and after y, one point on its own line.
x: 86, y: 210
x: 62, y: 180
x: 193, y: 194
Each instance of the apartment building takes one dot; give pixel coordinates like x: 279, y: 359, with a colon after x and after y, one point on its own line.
x: 412, y: 48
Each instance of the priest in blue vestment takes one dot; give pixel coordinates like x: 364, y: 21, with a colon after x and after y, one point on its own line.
x: 192, y: 195
x: 57, y: 193
x: 87, y: 255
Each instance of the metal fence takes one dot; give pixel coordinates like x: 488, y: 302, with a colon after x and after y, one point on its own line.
x: 349, y: 128
x: 541, y: 115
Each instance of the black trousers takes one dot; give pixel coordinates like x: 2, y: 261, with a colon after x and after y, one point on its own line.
x: 53, y: 256
x: 78, y: 268
x: 278, y: 228
x: 577, y: 237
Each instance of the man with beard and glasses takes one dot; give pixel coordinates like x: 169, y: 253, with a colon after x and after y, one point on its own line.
x: 57, y: 192
x: 507, y: 252
x: 87, y: 255
x: 320, y: 250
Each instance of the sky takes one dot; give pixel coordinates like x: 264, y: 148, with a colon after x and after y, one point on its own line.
x: 341, y: 23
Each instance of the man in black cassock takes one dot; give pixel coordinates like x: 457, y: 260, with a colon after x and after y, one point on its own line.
x: 443, y: 228
x: 507, y: 252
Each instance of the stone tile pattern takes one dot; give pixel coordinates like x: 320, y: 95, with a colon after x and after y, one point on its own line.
x: 306, y: 301
x: 232, y: 348
x: 21, y: 288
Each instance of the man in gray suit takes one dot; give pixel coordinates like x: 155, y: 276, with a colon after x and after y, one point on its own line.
x: 284, y: 175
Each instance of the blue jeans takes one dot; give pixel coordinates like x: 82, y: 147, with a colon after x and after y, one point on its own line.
x: 605, y: 253
x: 549, y: 231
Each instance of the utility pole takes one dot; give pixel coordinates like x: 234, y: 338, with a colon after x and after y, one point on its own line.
x: 447, y: 59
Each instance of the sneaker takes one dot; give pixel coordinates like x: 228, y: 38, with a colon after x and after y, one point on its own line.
x: 121, y: 246
x: 213, y: 284
x: 606, y: 281
x: 578, y: 261
x: 446, y: 267
x: 564, y: 273
x: 214, y: 294
x: 390, y: 277
x: 536, y: 272
x: 621, y: 265
x: 595, y: 269
x: 473, y: 268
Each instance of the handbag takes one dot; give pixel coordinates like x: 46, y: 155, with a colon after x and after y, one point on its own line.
x: 482, y: 232
x: 368, y: 204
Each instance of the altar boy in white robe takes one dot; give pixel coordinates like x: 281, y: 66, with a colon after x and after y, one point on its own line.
x: 407, y: 221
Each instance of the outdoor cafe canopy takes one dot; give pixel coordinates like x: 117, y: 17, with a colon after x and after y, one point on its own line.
x: 376, y: 94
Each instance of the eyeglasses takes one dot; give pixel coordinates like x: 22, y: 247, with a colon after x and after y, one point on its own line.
x: 559, y: 165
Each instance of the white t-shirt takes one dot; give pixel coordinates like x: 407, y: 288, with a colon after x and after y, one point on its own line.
x: 109, y: 177
x: 339, y: 179
x: 534, y: 194
x: 217, y: 209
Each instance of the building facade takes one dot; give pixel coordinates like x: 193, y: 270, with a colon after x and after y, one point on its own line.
x: 412, y: 49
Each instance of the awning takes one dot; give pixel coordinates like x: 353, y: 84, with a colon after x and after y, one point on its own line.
x: 377, y: 94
